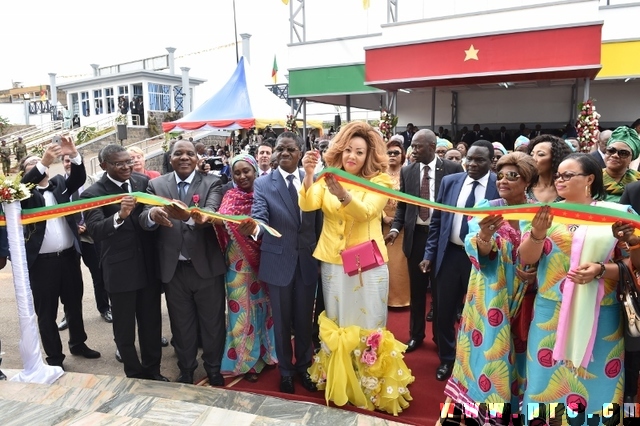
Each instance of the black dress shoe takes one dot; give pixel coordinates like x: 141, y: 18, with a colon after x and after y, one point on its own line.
x: 158, y: 377
x: 251, y: 377
x: 118, y: 357
x: 185, y: 377
x: 429, y: 317
x: 2, y: 376
x: 83, y: 350
x: 164, y: 342
x: 413, y: 344
x: 444, y: 371
x: 63, y: 325
x: 215, y: 379
x: 106, y: 316
x: 286, y: 384
x: 307, y: 383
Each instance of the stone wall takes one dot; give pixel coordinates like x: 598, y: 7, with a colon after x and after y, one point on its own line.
x: 16, y: 128
x: 153, y: 161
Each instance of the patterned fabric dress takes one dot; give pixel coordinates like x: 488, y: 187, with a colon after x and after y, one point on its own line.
x: 615, y: 188
x: 250, y: 344
x: 591, y: 326
x: 485, y: 369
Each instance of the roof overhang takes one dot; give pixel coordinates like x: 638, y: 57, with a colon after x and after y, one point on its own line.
x: 128, y: 76
x: 546, y: 54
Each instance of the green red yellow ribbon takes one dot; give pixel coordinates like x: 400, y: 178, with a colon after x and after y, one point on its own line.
x: 567, y: 213
x: 44, y: 213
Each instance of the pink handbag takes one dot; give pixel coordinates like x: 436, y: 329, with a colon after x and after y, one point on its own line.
x: 361, y: 257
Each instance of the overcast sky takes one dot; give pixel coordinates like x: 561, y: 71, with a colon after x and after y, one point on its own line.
x: 39, y: 37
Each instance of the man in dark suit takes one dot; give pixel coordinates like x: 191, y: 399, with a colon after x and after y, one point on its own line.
x: 53, y: 252
x: 599, y: 152
x: 504, y: 138
x: 287, y: 264
x: 415, y: 222
x: 408, y: 136
x: 128, y: 267
x: 446, y: 242
x: 473, y: 136
x: 537, y: 132
x: 192, y: 266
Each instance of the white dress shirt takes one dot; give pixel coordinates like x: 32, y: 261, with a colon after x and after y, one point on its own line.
x: 480, y: 193
x: 57, y: 234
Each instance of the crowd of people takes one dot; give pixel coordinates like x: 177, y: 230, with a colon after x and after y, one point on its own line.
x: 535, y: 300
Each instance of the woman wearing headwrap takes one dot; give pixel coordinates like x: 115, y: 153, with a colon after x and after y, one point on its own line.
x: 622, y: 148
x: 442, y: 146
x: 498, y: 152
x: 521, y: 144
x: 250, y: 341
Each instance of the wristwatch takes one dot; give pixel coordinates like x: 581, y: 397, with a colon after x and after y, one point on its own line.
x: 118, y: 219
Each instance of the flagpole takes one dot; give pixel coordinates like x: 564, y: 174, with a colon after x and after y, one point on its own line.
x: 235, y: 31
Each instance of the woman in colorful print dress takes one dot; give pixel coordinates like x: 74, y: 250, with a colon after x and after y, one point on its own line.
x: 250, y: 341
x: 485, y: 369
x: 575, y: 348
x: 360, y: 362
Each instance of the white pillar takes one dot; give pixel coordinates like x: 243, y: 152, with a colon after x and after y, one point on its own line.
x: 587, y: 86
x: 95, y: 69
x: 186, y: 99
x: 172, y: 63
x: 246, y: 47
x: 54, y: 91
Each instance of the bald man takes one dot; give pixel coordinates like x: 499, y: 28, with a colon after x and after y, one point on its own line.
x: 598, y: 154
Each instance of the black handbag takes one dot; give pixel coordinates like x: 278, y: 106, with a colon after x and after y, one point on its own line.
x: 628, y: 297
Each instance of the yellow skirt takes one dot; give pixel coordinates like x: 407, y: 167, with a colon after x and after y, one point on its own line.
x: 363, y: 367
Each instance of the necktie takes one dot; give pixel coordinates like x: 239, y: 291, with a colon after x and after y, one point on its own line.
x: 423, y: 212
x: 125, y: 187
x: 182, y: 190
x: 471, y: 200
x: 293, y: 193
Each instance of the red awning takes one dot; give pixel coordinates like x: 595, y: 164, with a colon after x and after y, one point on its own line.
x: 524, y: 56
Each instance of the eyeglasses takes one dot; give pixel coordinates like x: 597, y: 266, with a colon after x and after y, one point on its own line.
x: 393, y: 153
x: 289, y: 149
x: 511, y: 176
x: 566, y: 176
x: 122, y: 164
x: 622, y: 153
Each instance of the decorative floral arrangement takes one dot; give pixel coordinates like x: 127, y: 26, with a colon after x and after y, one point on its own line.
x: 11, y: 189
x: 195, y: 199
x: 370, y: 354
x: 38, y: 150
x: 291, y: 125
x: 388, y: 122
x: 587, y: 125
x: 121, y: 119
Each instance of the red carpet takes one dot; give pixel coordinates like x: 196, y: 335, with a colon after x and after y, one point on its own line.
x: 426, y: 391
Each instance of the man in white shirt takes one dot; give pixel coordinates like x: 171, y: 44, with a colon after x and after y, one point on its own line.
x: 53, y: 252
x: 264, y: 158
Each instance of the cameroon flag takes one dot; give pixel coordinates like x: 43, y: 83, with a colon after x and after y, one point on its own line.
x: 274, y: 70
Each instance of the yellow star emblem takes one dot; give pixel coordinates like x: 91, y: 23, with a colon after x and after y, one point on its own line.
x: 472, y: 53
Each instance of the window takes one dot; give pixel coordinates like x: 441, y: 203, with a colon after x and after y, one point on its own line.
x: 111, y: 106
x: 86, y: 107
x: 97, y: 101
x: 178, y: 98
x: 159, y: 97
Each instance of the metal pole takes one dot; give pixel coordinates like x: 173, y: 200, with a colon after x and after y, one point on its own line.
x: 348, y: 108
x: 433, y: 109
x: 587, y: 86
x: 235, y: 31
x: 304, y: 123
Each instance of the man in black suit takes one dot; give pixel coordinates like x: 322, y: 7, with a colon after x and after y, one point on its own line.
x: 53, y: 252
x: 192, y: 265
x: 416, y: 222
x: 126, y: 256
x: 444, y: 253
x: 408, y: 136
x: 473, y: 136
x: 504, y: 138
x: 537, y: 132
x: 599, y: 152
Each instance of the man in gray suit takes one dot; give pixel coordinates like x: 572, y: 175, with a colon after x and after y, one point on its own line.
x: 287, y: 264
x: 192, y: 266
x: 415, y: 222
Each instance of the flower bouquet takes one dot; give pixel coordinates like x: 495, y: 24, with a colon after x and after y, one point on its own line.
x: 388, y: 122
x: 587, y: 125
x: 291, y: 125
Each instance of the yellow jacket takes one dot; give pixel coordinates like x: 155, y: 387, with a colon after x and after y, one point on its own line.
x: 346, y: 226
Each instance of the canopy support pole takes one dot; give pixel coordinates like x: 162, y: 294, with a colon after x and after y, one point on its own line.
x: 433, y: 109
x: 574, y: 102
x: 348, y: 108
x: 304, y: 123
x: 454, y: 113
x: 587, y: 86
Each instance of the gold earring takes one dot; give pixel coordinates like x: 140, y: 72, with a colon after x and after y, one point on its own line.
x: 587, y: 191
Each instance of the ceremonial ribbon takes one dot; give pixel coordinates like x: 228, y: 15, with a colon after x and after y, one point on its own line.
x: 44, y: 213
x: 566, y: 213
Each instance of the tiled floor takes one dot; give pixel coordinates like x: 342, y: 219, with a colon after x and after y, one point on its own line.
x: 86, y: 399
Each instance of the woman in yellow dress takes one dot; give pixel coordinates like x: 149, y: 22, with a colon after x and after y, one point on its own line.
x: 399, y: 292
x: 360, y: 361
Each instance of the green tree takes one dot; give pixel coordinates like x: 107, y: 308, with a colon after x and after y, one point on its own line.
x: 4, y: 124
